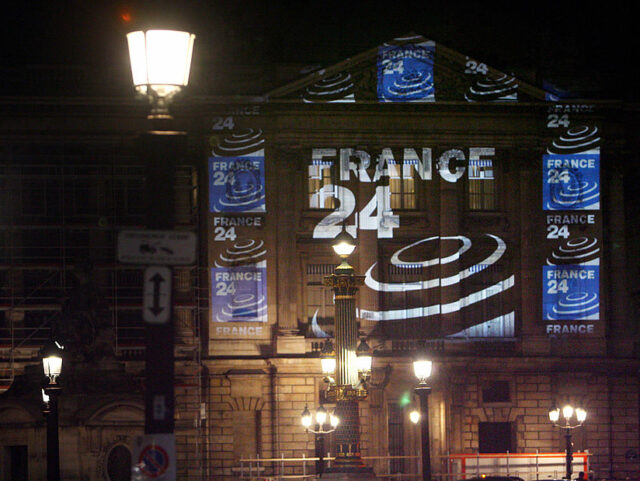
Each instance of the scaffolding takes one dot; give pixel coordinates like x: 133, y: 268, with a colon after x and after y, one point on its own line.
x: 59, y: 220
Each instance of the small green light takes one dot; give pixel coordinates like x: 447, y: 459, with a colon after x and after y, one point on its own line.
x: 405, y: 399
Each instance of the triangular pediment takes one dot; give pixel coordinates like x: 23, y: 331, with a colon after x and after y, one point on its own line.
x: 409, y: 69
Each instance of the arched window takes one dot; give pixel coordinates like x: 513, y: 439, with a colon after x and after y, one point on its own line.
x: 119, y: 463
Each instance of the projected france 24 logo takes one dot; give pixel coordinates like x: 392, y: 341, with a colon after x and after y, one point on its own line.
x: 571, y: 171
x: 405, y: 73
x: 571, y: 293
x: 236, y: 174
x: 572, y: 182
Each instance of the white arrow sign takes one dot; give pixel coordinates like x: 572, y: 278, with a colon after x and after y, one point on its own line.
x: 156, y: 306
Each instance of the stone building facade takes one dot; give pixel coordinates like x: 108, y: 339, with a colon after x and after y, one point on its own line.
x: 492, y: 228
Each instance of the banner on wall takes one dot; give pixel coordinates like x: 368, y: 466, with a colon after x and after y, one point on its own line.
x: 573, y: 220
x: 239, y: 294
x: 236, y: 246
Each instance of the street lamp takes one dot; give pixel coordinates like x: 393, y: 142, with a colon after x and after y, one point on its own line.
x: 573, y: 418
x: 347, y: 390
x: 160, y: 65
x: 422, y: 368
x: 52, y: 366
x: 320, y: 431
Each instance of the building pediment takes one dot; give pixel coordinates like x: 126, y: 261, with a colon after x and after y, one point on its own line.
x: 411, y: 69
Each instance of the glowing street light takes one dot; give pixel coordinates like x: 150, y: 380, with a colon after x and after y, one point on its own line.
x: 422, y: 368
x: 160, y: 65
x: 573, y: 418
x: 52, y: 367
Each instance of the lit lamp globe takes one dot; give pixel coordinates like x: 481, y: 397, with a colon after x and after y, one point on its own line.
x: 554, y: 414
x: 52, y: 361
x: 364, y: 359
x: 160, y: 65
x: 414, y: 416
x: 422, y: 369
x: 344, y: 245
x: 328, y: 360
x: 306, y: 418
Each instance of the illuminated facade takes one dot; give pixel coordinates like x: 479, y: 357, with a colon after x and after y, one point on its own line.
x: 490, y: 225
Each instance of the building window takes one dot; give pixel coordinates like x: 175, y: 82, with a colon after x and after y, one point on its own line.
x: 119, y: 464
x: 481, y: 186
x: 246, y: 434
x: 396, y: 437
x: 17, y: 463
x: 496, y: 392
x: 495, y: 438
x: 320, y: 304
x: 402, y: 187
x: 321, y: 185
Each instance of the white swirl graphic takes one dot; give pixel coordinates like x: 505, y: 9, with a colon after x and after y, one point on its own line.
x: 492, y: 88
x: 576, y: 305
x: 243, y: 252
x: 425, y: 311
x: 574, y: 195
x: 581, y: 139
x: 581, y: 251
x: 315, y: 327
x: 336, y: 88
x: 435, y: 309
x: 247, y: 142
x: 244, y: 306
x: 412, y: 83
x: 431, y: 283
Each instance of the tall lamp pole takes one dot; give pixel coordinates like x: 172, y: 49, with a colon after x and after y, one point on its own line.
x: 160, y: 65
x: 573, y: 418
x: 422, y: 369
x: 347, y: 390
x: 52, y: 365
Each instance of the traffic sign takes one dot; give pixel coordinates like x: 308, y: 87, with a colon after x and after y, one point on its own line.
x: 158, y: 247
x: 154, y: 457
x: 156, y: 305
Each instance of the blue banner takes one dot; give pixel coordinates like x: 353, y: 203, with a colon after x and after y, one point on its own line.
x: 571, y: 182
x: 237, y: 184
x: 239, y: 294
x: 405, y: 73
x: 571, y: 293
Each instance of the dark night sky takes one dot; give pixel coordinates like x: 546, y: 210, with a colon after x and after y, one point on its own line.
x: 556, y: 36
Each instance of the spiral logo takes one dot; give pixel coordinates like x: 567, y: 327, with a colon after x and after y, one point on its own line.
x: 577, y: 140
x: 417, y: 83
x: 492, y: 88
x: 405, y: 71
x: 243, y: 143
x: 243, y: 252
x: 581, y: 251
x: 336, y: 88
x: 574, y: 192
x: 453, y: 275
x: 243, y: 306
x: 575, y: 305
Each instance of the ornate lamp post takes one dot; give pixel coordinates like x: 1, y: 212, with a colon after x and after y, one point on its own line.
x: 573, y: 418
x: 320, y: 431
x: 52, y: 365
x: 160, y: 65
x: 422, y: 368
x: 347, y: 390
